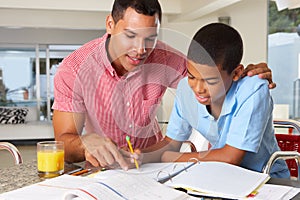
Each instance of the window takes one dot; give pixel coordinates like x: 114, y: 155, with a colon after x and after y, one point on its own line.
x: 283, y: 58
x: 18, y: 74
x: 16, y: 86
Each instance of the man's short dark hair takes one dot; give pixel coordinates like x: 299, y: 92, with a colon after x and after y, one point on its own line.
x: 217, y: 44
x: 145, y: 7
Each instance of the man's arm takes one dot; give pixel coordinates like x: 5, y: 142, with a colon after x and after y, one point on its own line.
x: 98, y: 150
x: 262, y: 70
x: 68, y: 128
x: 226, y: 154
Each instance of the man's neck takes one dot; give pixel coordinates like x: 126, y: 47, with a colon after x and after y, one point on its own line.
x: 117, y: 66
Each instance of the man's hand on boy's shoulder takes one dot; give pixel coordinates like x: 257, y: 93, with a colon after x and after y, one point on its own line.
x: 262, y: 70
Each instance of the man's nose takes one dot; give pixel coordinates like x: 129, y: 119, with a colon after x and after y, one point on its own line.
x: 140, y: 46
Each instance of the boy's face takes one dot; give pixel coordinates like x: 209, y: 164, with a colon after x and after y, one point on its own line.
x: 209, y: 83
x: 132, y: 39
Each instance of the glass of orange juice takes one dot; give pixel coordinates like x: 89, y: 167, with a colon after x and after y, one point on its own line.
x: 50, y: 158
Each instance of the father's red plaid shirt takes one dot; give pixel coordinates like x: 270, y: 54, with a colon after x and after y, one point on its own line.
x: 86, y: 82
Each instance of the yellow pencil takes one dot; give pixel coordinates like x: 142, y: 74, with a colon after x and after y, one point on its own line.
x: 131, y: 150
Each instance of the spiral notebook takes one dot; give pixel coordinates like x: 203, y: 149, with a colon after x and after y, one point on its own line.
x: 218, y: 179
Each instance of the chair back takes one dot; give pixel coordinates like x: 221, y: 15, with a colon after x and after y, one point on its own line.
x: 289, y: 144
x: 285, y: 155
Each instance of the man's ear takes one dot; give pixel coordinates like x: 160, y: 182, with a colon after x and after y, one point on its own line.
x: 110, y: 24
x: 237, y: 72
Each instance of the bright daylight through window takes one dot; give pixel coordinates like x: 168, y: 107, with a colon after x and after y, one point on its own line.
x: 284, y: 55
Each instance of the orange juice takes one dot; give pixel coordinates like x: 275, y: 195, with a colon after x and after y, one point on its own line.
x: 50, y: 158
x: 50, y: 161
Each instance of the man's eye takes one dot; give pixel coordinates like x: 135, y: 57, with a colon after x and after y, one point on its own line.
x: 151, y: 39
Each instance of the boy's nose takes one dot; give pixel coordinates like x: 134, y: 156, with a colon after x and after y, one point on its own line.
x: 199, y: 87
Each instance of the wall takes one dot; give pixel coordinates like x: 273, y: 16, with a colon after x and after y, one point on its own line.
x: 71, y: 22
x: 45, y: 18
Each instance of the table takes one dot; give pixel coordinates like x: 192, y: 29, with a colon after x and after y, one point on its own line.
x: 22, y: 175
x: 26, y: 174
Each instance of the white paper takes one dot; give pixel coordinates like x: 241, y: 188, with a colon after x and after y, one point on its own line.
x: 270, y: 191
x: 120, y: 186
x: 156, y: 171
x: 219, y: 179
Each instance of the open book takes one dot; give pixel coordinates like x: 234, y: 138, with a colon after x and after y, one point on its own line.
x: 120, y: 186
x: 218, y: 179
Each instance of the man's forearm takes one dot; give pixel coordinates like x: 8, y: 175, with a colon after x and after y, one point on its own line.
x: 74, y: 149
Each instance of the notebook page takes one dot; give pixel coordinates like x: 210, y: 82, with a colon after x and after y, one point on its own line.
x: 220, y: 179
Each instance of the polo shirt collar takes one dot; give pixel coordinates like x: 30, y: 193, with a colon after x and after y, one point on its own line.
x: 227, y: 107
x: 230, y: 100
x: 105, y: 57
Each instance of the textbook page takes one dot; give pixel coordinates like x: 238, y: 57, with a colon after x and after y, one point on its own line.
x: 219, y: 179
x: 120, y: 186
x: 124, y: 186
x: 274, y: 192
x: 160, y: 172
x: 47, y: 190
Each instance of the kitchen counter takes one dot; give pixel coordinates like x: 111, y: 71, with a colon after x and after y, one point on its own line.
x: 18, y: 176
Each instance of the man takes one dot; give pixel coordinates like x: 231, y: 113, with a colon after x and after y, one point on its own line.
x: 112, y: 86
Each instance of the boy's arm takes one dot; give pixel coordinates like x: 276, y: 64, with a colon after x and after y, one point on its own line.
x: 154, y: 152
x: 226, y: 154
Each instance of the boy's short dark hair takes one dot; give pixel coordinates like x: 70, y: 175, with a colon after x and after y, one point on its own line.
x: 217, y: 44
x: 145, y: 7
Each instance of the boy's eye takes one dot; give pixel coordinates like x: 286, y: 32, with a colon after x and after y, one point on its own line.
x: 212, y: 81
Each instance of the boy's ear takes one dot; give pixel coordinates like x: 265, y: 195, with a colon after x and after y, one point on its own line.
x: 237, y: 72
x: 110, y: 24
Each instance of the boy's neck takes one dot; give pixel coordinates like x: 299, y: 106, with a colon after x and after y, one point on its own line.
x: 215, y: 108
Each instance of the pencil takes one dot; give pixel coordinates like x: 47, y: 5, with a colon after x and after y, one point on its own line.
x: 131, y: 150
x: 75, y: 170
x: 81, y: 172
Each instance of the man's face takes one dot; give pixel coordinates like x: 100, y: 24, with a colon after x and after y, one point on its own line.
x: 132, y: 39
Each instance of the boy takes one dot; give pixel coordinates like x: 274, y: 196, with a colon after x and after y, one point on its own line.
x: 233, y: 114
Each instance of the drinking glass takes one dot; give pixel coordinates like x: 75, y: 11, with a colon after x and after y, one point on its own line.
x: 50, y: 158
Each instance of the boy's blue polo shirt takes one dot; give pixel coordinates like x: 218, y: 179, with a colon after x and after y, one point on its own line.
x: 245, y: 122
